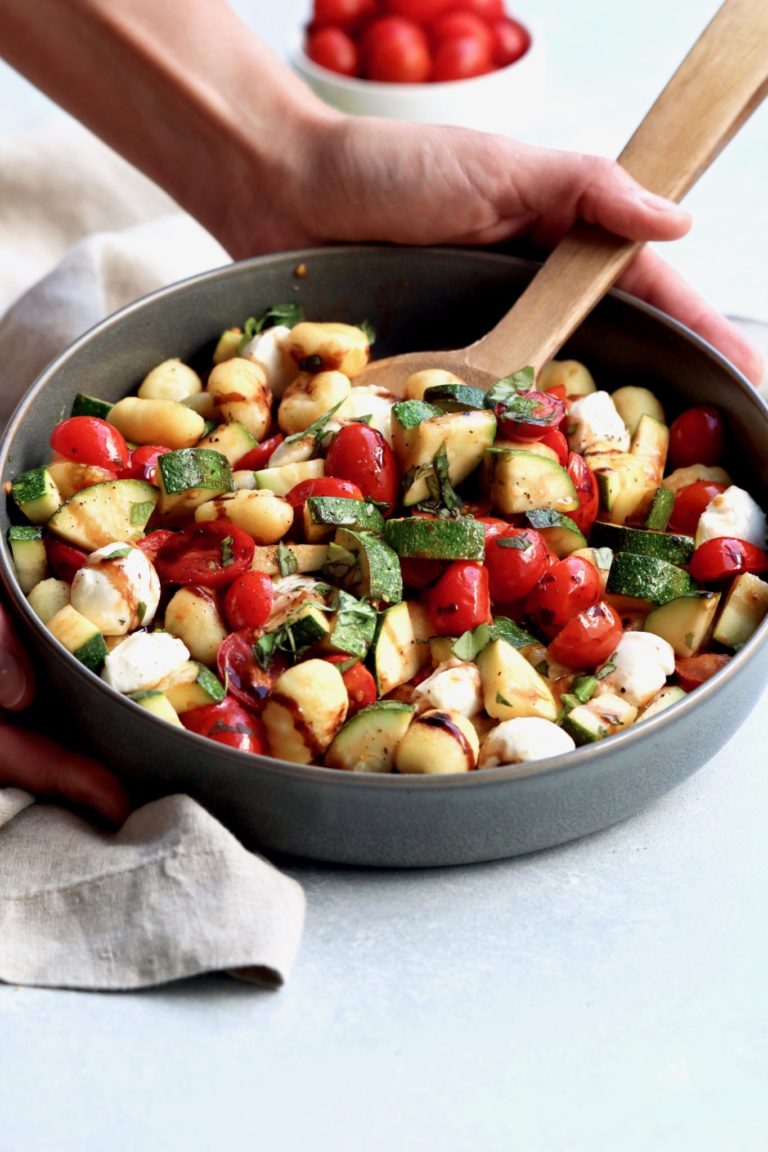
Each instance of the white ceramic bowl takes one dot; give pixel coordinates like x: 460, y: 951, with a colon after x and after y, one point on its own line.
x: 507, y: 101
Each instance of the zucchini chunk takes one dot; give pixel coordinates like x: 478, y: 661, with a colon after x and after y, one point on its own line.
x: 365, y: 566
x: 283, y: 477
x: 401, y: 645
x: 600, y: 717
x: 232, y: 440
x: 368, y: 740
x: 460, y: 539
x: 29, y: 556
x: 104, y: 513
x: 79, y: 636
x: 188, y: 477
x: 519, y: 481
x: 685, y: 622
x: 158, y: 704
x: 36, y: 495
x: 562, y: 535
x: 462, y: 436
x: 670, y: 546
x: 324, y: 514
x: 511, y: 687
x: 646, y: 578
x: 744, y: 610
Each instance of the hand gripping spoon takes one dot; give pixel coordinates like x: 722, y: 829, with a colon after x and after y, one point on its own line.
x: 718, y: 85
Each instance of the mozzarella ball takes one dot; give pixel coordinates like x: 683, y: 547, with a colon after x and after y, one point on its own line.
x: 733, y: 513
x: 454, y: 686
x: 117, y: 589
x: 523, y: 738
x: 142, y: 660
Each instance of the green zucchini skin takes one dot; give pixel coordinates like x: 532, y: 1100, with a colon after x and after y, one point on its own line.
x: 422, y: 539
x: 670, y: 546
x: 648, y: 578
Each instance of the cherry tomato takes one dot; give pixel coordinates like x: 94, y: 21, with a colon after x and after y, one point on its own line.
x: 422, y: 11
x: 589, y: 638
x: 693, y: 671
x: 333, y: 48
x: 457, y: 23
x: 516, y: 559
x: 556, y: 440
x: 571, y: 585
x: 244, y: 677
x: 227, y: 723
x: 689, y: 504
x: 486, y: 9
x: 248, y: 601
x: 396, y: 51
x: 64, y: 559
x: 460, y: 599
x: 258, y: 457
x: 359, y: 683
x: 361, y: 454
x: 510, y: 41
x: 726, y: 556
x: 90, y: 440
x: 320, y: 486
x: 696, y: 436
x: 153, y: 542
x: 211, y: 553
x: 586, y: 489
x: 347, y: 14
x: 461, y: 58
x: 143, y: 463
x: 419, y: 574
x: 528, y: 415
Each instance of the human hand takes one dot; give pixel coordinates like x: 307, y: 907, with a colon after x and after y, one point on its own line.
x: 359, y: 180
x: 36, y: 763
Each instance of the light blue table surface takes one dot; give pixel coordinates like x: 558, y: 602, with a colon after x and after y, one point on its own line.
x: 608, y: 994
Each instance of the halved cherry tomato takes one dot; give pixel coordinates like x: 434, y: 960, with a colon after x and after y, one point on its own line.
x: 333, y: 48
x: 359, y: 683
x: 696, y: 436
x: 258, y: 457
x: 528, y: 415
x: 726, y: 556
x: 571, y: 585
x: 360, y: 453
x: 589, y: 638
x: 153, y: 542
x: 695, y: 670
x: 396, y: 51
x: 586, y: 489
x: 90, y: 440
x: 143, y: 463
x: 64, y: 559
x: 460, y: 599
x: 211, y: 553
x: 248, y: 600
x: 689, y: 504
x: 227, y: 723
x: 516, y: 559
x: 244, y: 677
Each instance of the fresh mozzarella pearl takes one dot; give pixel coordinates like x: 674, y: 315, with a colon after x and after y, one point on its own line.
x: 142, y: 660
x: 369, y: 400
x: 640, y: 666
x: 453, y: 687
x: 733, y: 513
x: 594, y: 425
x: 118, y: 589
x: 268, y: 349
x: 523, y: 738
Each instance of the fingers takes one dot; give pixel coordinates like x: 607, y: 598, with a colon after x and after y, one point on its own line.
x: 654, y: 281
x: 31, y: 761
x: 562, y: 186
x: 17, y: 683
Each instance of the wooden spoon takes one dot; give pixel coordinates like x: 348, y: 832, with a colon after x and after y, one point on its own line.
x: 719, y: 84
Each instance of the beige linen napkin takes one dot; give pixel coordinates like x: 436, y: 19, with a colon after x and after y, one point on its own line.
x: 173, y: 893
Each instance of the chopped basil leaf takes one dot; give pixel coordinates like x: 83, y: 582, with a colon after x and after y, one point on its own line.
x: 227, y: 555
x: 584, y: 688
x: 119, y: 553
x: 501, y: 700
x: 315, y: 428
x: 607, y: 668
x: 141, y: 610
x: 521, y: 542
x: 286, y: 314
x: 286, y: 560
x: 524, y: 380
x: 370, y: 331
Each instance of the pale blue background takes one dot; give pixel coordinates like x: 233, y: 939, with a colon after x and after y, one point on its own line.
x: 606, y: 995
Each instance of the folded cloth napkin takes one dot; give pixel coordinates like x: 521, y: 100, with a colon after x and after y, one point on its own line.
x: 172, y: 893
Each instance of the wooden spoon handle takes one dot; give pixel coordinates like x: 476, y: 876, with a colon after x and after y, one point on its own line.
x: 719, y: 84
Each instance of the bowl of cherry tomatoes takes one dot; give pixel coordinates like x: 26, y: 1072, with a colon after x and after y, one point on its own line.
x: 425, y: 796
x: 471, y: 63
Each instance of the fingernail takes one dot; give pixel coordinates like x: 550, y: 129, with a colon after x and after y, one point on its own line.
x: 661, y: 204
x: 13, y: 683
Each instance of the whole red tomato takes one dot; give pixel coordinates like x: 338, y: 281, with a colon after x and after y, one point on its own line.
x: 460, y: 58
x: 516, y: 559
x: 226, y: 723
x: 460, y: 599
x: 333, y: 48
x: 396, y: 51
x: 347, y: 14
x: 485, y: 9
x: 726, y: 556
x: 571, y: 585
x: 422, y: 11
x: 689, y: 504
x: 511, y: 40
x: 696, y: 436
x: 248, y: 600
x: 90, y: 440
x: 586, y: 489
x: 589, y: 638
x: 456, y: 23
x: 360, y: 454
